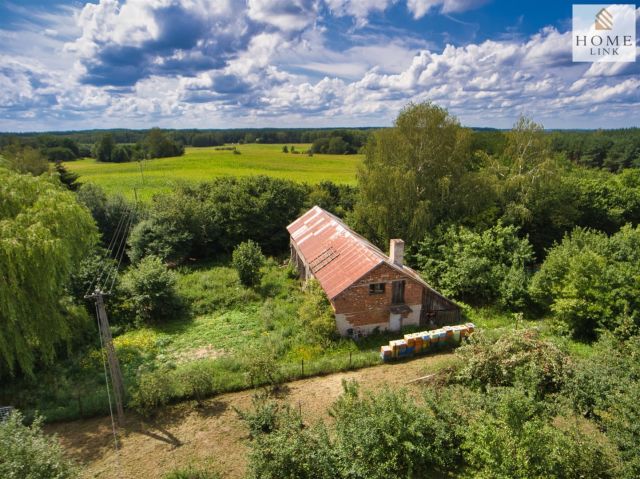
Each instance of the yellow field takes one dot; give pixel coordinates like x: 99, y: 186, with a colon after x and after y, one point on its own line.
x: 201, y: 164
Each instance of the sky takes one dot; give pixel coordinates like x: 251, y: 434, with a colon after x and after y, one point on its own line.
x: 69, y: 65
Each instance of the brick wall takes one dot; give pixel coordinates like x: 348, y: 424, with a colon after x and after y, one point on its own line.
x: 361, y: 309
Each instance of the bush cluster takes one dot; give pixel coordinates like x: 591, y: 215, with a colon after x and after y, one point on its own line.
x: 515, y: 411
x: 27, y: 452
x: 589, y: 282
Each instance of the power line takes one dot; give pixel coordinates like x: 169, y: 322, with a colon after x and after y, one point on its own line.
x: 119, y: 253
x: 114, y: 239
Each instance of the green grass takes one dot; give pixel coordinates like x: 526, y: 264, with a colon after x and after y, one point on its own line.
x: 200, y: 164
x: 227, y: 324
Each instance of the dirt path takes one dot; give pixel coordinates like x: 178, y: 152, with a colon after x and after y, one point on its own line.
x: 183, y: 434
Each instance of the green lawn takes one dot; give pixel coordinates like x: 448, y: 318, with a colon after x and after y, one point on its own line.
x: 200, y: 164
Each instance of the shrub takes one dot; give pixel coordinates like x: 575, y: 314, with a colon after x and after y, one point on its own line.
x: 263, y: 417
x: 316, y: 315
x: 155, y: 238
x: 154, y: 390
x: 196, y: 380
x: 519, y: 357
x: 293, y: 452
x: 516, y: 437
x: 283, y: 447
x: 26, y: 452
x: 192, y: 472
x: 262, y: 367
x: 107, y: 211
x: 390, y: 435
x: 149, y: 290
x: 605, y: 387
x: 247, y: 259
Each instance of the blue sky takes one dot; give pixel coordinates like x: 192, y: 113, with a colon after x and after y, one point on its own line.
x: 299, y: 63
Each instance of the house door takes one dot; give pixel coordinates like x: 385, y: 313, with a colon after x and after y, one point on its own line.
x: 395, y: 322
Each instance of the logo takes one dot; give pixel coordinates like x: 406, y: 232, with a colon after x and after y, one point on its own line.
x: 604, y: 33
x: 604, y: 20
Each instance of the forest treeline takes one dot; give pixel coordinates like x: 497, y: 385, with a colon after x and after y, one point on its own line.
x: 612, y: 150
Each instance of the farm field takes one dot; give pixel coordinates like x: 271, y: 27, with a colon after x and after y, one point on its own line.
x: 201, y: 164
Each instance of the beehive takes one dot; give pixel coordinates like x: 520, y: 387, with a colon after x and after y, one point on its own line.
x: 386, y: 353
x: 398, y: 348
x: 410, y: 339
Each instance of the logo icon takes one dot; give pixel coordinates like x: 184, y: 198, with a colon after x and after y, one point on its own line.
x: 604, y: 33
x: 604, y: 20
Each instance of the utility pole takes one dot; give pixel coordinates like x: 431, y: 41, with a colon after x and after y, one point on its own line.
x: 114, y: 365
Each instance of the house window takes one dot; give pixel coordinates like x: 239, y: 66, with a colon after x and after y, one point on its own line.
x: 397, y: 296
x: 376, y: 288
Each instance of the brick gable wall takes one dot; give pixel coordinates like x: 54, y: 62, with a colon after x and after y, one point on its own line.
x: 357, y: 308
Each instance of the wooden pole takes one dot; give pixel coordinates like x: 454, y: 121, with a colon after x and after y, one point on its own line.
x: 114, y: 365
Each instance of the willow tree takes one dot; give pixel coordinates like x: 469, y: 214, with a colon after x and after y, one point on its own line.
x: 414, y: 175
x: 44, y: 233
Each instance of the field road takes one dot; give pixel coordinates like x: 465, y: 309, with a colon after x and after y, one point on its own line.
x: 185, y: 434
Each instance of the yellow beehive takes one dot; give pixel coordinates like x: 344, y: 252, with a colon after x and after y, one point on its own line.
x: 464, y: 331
x: 456, y: 334
x: 448, y: 333
x: 426, y: 340
x: 397, y: 346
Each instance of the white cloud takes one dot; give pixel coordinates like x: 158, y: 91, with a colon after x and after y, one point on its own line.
x: 419, y: 8
x: 286, y: 15
x: 359, y: 9
x: 273, y: 61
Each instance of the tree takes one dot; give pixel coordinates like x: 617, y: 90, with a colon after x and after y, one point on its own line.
x: 523, y: 168
x: 247, y: 259
x: 285, y: 149
x: 590, y: 281
x: 158, y: 238
x: 103, y: 149
x: 158, y: 145
x: 413, y: 175
x: 44, y: 234
x: 478, y: 267
x: 25, y: 159
x: 121, y: 154
x: 67, y: 178
x: 149, y: 291
x: 27, y: 452
x: 107, y: 211
x: 220, y: 214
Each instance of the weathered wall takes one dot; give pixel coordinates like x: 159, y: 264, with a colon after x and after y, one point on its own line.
x: 357, y: 309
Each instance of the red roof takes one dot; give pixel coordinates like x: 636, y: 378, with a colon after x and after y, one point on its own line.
x: 336, y: 255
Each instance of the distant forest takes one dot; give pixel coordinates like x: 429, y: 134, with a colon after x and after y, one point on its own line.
x: 613, y: 150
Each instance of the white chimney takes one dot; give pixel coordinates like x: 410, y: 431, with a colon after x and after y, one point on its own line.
x: 396, y: 251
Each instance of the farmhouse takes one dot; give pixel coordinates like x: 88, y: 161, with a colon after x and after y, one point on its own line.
x: 366, y: 288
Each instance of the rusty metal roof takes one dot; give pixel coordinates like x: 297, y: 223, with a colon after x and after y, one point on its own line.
x: 336, y: 255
